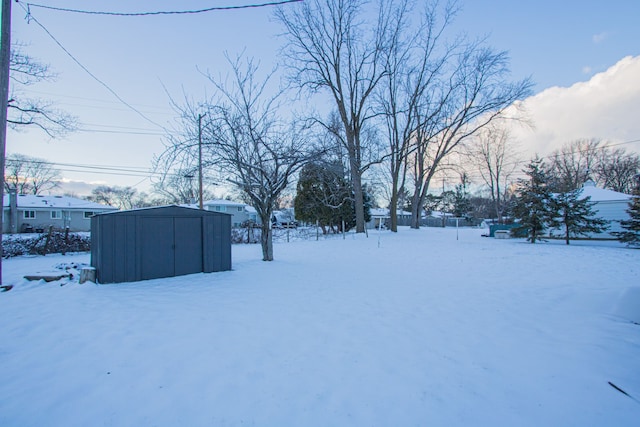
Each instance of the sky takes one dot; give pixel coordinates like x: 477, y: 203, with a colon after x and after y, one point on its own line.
x: 583, y: 57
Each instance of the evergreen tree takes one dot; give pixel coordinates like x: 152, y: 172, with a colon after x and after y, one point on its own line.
x: 323, y: 194
x: 632, y: 236
x: 462, y: 205
x: 533, y: 207
x: 576, y: 215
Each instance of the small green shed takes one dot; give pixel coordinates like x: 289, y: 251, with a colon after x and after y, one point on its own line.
x: 151, y: 243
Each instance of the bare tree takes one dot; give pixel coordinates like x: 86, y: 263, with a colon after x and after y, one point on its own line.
x: 494, y: 155
x: 414, y: 62
x: 175, y: 179
x: 30, y: 175
x: 330, y: 48
x: 259, y: 151
x: 572, y: 165
x: 34, y: 112
x: 470, y: 95
x: 120, y: 197
x: 616, y: 170
x: 247, y: 141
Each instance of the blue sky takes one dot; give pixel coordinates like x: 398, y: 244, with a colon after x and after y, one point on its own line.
x: 557, y: 43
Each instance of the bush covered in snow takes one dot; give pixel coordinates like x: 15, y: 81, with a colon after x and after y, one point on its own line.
x: 45, y: 243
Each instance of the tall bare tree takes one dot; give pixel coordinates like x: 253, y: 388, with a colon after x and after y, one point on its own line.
x: 30, y: 175
x: 334, y: 47
x: 469, y: 96
x: 415, y: 60
x: 496, y: 159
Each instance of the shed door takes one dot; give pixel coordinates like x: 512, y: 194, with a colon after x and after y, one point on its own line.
x: 157, y: 248
x: 188, y: 245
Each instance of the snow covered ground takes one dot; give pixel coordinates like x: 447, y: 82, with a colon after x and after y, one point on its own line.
x: 408, y: 329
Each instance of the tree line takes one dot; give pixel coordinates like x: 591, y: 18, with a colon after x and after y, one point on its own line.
x: 392, y: 100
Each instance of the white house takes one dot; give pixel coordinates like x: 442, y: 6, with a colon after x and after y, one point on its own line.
x: 381, y: 217
x: 34, y: 213
x: 240, y: 212
x: 608, y: 205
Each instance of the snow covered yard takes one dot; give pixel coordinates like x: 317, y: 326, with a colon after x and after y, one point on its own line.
x: 408, y: 329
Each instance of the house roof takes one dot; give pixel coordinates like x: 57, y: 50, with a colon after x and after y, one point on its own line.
x: 384, y: 212
x: 589, y: 189
x: 221, y: 202
x: 30, y: 201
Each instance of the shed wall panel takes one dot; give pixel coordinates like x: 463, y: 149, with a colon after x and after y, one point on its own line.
x: 157, y: 248
x: 188, y: 245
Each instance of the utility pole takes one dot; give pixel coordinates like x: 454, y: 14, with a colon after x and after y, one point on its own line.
x: 5, y: 58
x: 200, y: 116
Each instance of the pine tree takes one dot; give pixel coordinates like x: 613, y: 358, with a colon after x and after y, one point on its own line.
x: 323, y: 194
x: 462, y: 205
x: 632, y: 236
x: 576, y: 215
x: 533, y: 202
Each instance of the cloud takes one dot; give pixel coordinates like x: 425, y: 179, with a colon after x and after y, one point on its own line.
x: 604, y: 107
x: 75, y: 187
x: 600, y: 37
x: 586, y: 69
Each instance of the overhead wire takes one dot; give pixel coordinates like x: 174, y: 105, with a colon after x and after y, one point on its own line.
x: 30, y: 18
x: 170, y: 12
x: 133, y: 171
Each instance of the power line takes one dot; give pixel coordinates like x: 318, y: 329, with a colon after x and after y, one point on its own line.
x: 172, y: 12
x: 134, y: 171
x: 85, y: 69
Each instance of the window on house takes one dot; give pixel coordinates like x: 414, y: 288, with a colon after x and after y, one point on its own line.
x: 28, y: 214
x: 239, y: 208
x: 56, y: 214
x: 88, y: 214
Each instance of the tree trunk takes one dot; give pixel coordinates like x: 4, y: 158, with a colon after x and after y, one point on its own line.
x: 393, y: 207
x: 266, y: 240
x: 415, y: 211
x: 358, y: 196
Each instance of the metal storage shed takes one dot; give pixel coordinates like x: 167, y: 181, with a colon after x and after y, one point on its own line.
x: 166, y: 241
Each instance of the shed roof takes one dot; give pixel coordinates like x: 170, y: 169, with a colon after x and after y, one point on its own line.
x: 166, y: 210
x: 31, y: 201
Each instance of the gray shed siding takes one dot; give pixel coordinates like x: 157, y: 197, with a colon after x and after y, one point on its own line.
x: 159, y: 242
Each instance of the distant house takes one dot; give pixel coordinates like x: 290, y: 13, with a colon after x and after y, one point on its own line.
x: 381, y: 218
x: 240, y: 212
x: 26, y: 213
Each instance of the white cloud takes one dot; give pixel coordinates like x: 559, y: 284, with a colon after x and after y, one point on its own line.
x: 600, y: 37
x: 78, y: 188
x: 586, y: 69
x: 604, y: 107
